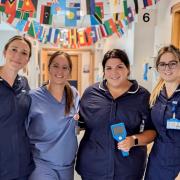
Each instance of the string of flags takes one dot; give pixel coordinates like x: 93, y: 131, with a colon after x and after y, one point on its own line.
x: 72, y: 23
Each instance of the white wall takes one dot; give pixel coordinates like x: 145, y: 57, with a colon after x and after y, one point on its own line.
x: 33, y: 69
x: 6, y: 32
x: 143, y: 47
x: 164, y: 23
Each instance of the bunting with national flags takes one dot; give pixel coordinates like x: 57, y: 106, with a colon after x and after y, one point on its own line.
x: 81, y: 36
x: 136, y: 7
x: 71, y: 17
x: 110, y: 27
x: 21, y: 14
x: 29, y: 6
x: 99, y: 21
x: 89, y: 37
x: 33, y: 29
x: 58, y: 7
x: 90, y: 6
x: 147, y: 3
x: 46, y: 16
x: 72, y: 38
x: 10, y: 6
x: 21, y: 25
x: 99, y: 10
x: 130, y: 16
x: 2, y: 8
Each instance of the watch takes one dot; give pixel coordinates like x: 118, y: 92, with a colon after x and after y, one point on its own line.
x: 135, y: 140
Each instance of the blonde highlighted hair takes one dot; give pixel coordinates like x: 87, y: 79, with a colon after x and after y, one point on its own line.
x: 160, y: 84
x: 156, y: 91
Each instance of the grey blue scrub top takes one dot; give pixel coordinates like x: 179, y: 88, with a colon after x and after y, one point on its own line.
x: 51, y: 132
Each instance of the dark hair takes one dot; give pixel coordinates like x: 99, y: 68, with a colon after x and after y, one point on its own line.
x: 68, y: 90
x: 60, y: 53
x: 167, y: 49
x: 17, y: 37
x: 116, y: 53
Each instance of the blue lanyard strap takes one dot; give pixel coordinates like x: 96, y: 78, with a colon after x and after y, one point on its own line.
x: 174, y: 105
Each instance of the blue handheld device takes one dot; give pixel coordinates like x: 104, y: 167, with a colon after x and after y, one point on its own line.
x: 119, y: 133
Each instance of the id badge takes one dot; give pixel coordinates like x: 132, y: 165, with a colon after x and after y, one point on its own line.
x: 173, y: 123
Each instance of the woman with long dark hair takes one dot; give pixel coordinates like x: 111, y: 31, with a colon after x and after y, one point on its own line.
x: 51, y: 123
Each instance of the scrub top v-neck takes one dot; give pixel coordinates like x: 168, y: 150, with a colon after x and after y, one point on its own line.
x: 51, y: 132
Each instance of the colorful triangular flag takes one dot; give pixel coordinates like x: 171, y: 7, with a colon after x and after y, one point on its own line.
x: 46, y: 17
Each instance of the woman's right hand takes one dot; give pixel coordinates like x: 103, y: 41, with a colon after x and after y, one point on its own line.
x: 126, y: 144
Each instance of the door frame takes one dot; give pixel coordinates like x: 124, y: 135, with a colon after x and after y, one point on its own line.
x: 45, y: 51
x: 175, y: 36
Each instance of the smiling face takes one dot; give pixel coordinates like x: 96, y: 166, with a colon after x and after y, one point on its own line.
x: 59, y: 70
x: 169, y: 67
x: 115, y: 72
x: 17, y: 54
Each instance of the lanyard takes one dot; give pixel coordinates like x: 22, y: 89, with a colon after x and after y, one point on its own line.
x: 174, y: 105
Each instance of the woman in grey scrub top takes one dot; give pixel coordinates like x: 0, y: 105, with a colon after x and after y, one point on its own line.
x: 51, y: 123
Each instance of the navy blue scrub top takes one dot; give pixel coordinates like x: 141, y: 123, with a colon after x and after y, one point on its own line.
x: 98, y: 156
x: 15, y: 156
x: 164, y: 160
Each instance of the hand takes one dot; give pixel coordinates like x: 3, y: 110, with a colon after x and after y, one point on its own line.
x: 76, y: 117
x: 178, y: 177
x: 126, y: 144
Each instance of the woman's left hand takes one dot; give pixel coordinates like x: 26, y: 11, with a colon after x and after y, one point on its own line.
x: 76, y: 117
x: 126, y: 144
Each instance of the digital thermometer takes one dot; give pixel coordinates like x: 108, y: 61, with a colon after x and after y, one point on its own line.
x: 119, y: 133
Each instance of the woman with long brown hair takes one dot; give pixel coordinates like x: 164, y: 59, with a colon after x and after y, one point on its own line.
x: 51, y: 123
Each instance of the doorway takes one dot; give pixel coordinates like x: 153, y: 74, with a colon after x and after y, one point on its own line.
x: 175, y: 38
x: 79, y: 58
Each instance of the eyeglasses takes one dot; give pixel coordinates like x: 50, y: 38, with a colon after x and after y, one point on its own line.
x: 171, y: 65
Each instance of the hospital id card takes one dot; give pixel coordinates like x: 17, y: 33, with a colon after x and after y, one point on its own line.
x: 173, y: 123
